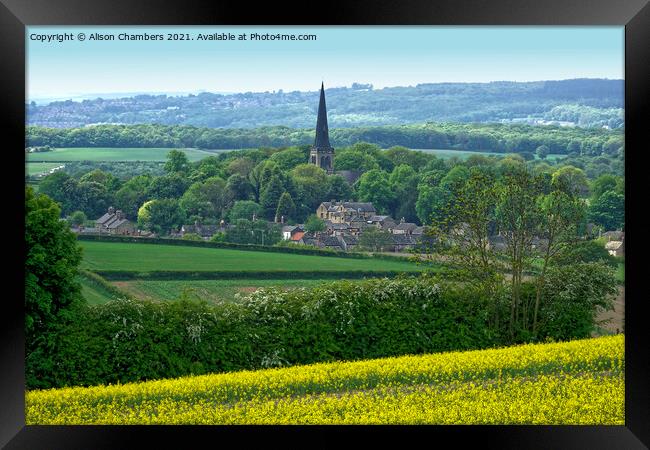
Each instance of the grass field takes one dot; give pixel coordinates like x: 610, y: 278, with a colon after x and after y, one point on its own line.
x: 93, y: 293
x: 37, y: 168
x: 464, y: 154
x: 210, y: 290
x: 577, y: 382
x: 150, y: 257
x: 115, y: 154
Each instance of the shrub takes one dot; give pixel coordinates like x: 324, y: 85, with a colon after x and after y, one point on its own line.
x: 128, y: 340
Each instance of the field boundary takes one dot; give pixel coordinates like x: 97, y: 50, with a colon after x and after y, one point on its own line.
x: 245, y: 247
x: 171, y: 275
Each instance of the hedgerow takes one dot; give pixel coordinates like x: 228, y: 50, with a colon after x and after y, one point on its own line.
x: 130, y: 340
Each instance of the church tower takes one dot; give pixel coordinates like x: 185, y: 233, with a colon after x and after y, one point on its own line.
x: 322, y: 153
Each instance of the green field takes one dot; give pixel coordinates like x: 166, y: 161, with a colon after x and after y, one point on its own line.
x: 38, y: 168
x: 464, y: 154
x: 108, y: 154
x: 569, y: 383
x: 157, y: 257
x: 93, y: 293
x: 210, y: 290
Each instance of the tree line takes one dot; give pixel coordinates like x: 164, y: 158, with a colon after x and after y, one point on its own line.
x: 497, y: 138
x: 278, y: 185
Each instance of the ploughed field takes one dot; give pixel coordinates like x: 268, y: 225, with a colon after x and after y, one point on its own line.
x: 141, y: 257
x: 577, y: 382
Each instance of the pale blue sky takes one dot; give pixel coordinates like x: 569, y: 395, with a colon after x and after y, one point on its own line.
x: 383, y: 56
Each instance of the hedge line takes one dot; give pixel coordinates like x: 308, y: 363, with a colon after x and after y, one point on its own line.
x: 125, y: 275
x: 228, y: 245
x: 98, y: 280
x: 130, y: 340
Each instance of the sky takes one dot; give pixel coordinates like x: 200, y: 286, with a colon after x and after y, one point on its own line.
x: 383, y: 56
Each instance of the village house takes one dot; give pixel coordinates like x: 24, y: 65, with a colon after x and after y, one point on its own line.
x: 345, y: 212
x: 289, y: 231
x: 115, y: 222
x: 404, y: 227
x: 205, y: 231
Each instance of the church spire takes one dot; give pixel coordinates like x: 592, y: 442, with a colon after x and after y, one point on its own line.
x: 322, y: 132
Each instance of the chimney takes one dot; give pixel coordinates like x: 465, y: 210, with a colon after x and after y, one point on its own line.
x: 282, y: 219
x: 120, y: 214
x: 401, y: 220
x: 111, y: 210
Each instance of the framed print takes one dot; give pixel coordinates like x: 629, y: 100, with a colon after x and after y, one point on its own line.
x: 389, y: 220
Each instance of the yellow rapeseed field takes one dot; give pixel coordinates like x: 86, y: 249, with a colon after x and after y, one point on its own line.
x: 577, y: 382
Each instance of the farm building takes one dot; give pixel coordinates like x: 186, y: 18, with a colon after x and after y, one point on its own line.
x: 115, y: 222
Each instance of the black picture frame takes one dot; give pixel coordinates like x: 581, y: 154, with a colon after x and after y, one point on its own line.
x: 633, y: 14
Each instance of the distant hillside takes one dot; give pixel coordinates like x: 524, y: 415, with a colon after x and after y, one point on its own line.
x: 581, y: 102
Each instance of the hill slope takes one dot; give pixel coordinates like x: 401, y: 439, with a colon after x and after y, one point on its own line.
x: 578, y: 382
x: 584, y: 102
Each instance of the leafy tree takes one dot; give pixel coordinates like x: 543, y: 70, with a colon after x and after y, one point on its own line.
x: 560, y: 215
x: 355, y: 160
x: 401, y: 155
x: 518, y: 217
x: 130, y: 197
x: 206, y: 168
x: 573, y: 296
x: 374, y: 186
x: 241, y: 232
x: 241, y: 166
x: 240, y: 188
x: 375, y: 240
x: 586, y: 252
x: 461, y: 232
x: 173, y: 185
x: 93, y: 198
x: 286, y: 207
x: 161, y: 216
x: 177, y: 162
x: 61, y: 188
x: 404, y: 182
x: 602, y: 184
x: 313, y: 224
x: 572, y: 180
x: 311, y: 188
x: 289, y: 158
x: 271, y: 196
x: 77, y: 218
x: 53, y: 256
x: 542, y: 151
x: 434, y: 201
x: 192, y: 237
x: 338, y: 188
x: 608, y: 211
x: 245, y: 209
x: 111, y: 183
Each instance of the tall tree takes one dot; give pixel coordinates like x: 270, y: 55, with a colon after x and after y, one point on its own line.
x: 518, y: 219
x: 271, y: 196
x: 177, y: 162
x: 53, y: 256
x: 286, y: 207
x: 374, y: 187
